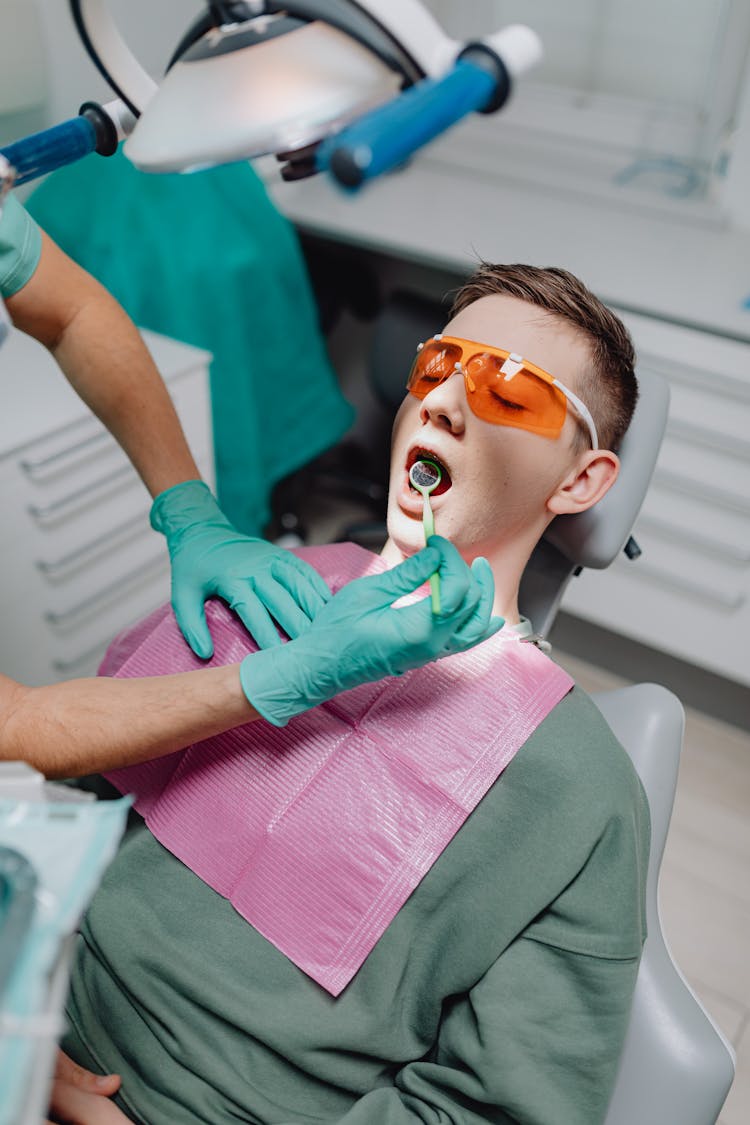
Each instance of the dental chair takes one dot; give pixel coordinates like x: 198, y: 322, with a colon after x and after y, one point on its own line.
x: 676, y: 1067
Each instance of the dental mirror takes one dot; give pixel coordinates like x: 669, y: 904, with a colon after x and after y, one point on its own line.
x: 425, y: 476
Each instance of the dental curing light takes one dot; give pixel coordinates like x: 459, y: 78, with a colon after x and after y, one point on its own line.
x: 262, y: 77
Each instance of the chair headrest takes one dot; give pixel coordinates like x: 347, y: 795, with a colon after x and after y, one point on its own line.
x: 590, y: 539
x: 596, y: 537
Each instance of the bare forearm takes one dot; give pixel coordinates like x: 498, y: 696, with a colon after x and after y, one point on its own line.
x: 107, y: 363
x: 86, y: 726
x: 105, y: 360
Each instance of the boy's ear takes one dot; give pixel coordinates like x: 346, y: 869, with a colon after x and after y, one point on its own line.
x: 592, y: 476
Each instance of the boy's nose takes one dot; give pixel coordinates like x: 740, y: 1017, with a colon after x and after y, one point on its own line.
x: 446, y: 405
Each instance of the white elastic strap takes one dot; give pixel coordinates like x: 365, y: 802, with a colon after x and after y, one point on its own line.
x: 582, y: 410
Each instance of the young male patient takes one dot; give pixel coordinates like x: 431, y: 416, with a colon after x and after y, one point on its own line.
x: 496, y: 985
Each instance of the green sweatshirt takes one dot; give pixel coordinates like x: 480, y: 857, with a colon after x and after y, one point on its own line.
x: 499, y: 993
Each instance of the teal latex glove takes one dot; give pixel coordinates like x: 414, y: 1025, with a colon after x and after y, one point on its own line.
x: 359, y: 637
x: 210, y: 558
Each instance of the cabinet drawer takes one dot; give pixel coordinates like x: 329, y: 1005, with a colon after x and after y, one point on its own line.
x: 67, y: 609
x: 714, y: 582
x: 701, y: 529
x: 689, y: 593
x: 57, y: 472
x: 80, y: 559
x: 712, y: 477
x: 84, y: 657
x: 43, y: 640
x: 75, y: 488
x: 81, y: 588
x: 74, y: 447
x: 642, y: 600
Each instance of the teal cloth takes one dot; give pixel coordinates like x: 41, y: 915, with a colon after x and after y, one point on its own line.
x: 208, y: 259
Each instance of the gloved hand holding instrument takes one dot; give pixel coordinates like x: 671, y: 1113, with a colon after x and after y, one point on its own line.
x: 359, y: 637
x: 210, y: 558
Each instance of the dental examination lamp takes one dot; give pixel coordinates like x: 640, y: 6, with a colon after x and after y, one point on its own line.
x: 351, y: 87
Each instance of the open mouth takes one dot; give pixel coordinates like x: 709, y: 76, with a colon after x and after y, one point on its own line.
x: 421, y: 454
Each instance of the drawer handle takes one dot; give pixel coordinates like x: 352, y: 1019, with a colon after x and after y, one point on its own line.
x: 664, y: 478
x: 103, y: 544
x: 714, y: 382
x: 70, y: 665
x: 66, y: 666
x: 720, y: 598
x: 727, y: 552
x: 709, y: 439
x: 73, y: 500
x: 68, y: 618
x: 46, y: 464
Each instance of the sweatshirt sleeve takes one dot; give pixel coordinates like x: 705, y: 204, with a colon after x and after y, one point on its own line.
x: 535, y: 1042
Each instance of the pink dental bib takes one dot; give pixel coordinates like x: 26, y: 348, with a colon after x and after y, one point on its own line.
x: 319, y: 831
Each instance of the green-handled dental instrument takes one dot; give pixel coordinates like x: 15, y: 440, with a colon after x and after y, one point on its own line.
x: 425, y: 476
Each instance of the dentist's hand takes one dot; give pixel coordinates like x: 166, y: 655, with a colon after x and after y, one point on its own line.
x: 79, y: 1097
x: 258, y: 580
x: 359, y: 637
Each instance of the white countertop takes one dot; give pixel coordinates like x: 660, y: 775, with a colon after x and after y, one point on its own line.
x: 683, y: 269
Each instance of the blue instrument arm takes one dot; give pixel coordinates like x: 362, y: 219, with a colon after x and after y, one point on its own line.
x: 387, y: 136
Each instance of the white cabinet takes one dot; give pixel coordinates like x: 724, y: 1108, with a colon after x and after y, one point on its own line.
x: 689, y: 594
x: 79, y: 559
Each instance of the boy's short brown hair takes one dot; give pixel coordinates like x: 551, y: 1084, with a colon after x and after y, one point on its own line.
x: 609, y: 386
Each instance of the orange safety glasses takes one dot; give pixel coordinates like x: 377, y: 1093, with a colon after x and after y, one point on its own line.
x: 501, y: 387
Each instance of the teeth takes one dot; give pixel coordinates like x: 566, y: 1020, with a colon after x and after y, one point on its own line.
x: 426, y: 455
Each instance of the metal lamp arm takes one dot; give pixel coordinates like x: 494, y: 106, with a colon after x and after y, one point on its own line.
x: 417, y: 29
x: 112, y: 57
x: 423, y: 37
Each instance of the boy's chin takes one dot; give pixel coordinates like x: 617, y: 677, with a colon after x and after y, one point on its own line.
x: 395, y: 552
x: 403, y: 541
x: 402, y: 545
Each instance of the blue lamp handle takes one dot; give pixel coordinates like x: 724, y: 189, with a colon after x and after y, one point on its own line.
x: 43, y: 152
x: 388, y: 135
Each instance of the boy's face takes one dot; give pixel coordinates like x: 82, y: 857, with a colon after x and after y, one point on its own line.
x: 501, y: 477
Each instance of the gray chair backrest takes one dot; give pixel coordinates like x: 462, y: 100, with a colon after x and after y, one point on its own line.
x: 591, y: 539
x: 676, y: 1066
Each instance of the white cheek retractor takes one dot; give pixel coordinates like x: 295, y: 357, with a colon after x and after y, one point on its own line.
x: 426, y: 476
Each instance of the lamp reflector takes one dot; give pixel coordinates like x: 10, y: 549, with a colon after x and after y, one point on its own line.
x: 257, y: 89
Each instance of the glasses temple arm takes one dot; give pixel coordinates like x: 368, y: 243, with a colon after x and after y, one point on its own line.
x: 582, y: 410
